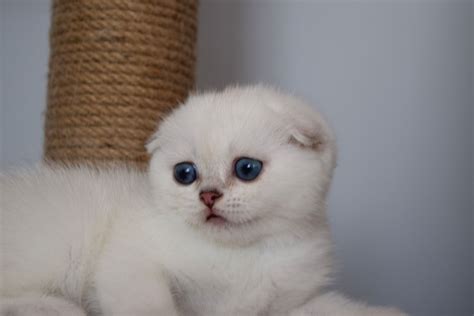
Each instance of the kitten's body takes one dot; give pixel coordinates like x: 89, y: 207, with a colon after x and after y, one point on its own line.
x: 101, y: 224
x: 121, y: 242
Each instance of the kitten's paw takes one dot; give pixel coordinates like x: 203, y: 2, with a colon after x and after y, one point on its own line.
x: 39, y: 306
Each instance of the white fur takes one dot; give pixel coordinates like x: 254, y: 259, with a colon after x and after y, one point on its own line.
x: 122, y: 243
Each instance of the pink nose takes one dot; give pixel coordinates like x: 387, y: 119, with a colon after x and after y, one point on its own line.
x: 209, y: 197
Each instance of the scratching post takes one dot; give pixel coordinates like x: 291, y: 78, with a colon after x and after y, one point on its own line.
x: 116, y: 67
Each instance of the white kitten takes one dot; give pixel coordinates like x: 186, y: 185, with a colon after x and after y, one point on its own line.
x: 229, y: 220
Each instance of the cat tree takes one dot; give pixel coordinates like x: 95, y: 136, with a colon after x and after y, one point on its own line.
x: 116, y: 68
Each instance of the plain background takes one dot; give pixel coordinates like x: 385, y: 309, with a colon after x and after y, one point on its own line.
x: 395, y: 79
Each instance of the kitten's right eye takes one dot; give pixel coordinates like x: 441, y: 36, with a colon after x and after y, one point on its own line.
x: 185, y: 173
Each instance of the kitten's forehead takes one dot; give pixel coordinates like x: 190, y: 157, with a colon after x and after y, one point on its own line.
x: 214, y: 125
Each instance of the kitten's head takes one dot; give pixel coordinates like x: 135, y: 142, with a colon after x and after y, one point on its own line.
x: 243, y: 165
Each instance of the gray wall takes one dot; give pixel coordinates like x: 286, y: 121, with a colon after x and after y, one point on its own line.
x: 24, y: 26
x: 395, y: 80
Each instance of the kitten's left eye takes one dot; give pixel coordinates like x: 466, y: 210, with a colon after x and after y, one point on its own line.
x: 247, y: 169
x: 185, y: 173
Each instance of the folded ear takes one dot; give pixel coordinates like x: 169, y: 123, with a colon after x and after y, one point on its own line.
x: 306, y: 126
x: 308, y: 131
x: 153, y: 142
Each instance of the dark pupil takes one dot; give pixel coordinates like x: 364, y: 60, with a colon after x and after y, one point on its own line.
x: 247, y: 168
x: 185, y: 173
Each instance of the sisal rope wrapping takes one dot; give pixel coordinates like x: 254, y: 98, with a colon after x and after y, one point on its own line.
x: 116, y: 68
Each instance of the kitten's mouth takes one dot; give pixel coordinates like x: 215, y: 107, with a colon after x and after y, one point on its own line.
x: 215, y: 219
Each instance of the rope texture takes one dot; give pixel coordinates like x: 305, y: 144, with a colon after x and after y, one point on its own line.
x: 116, y: 68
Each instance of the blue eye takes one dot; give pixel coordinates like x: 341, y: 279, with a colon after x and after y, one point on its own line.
x: 247, y: 169
x: 185, y: 173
